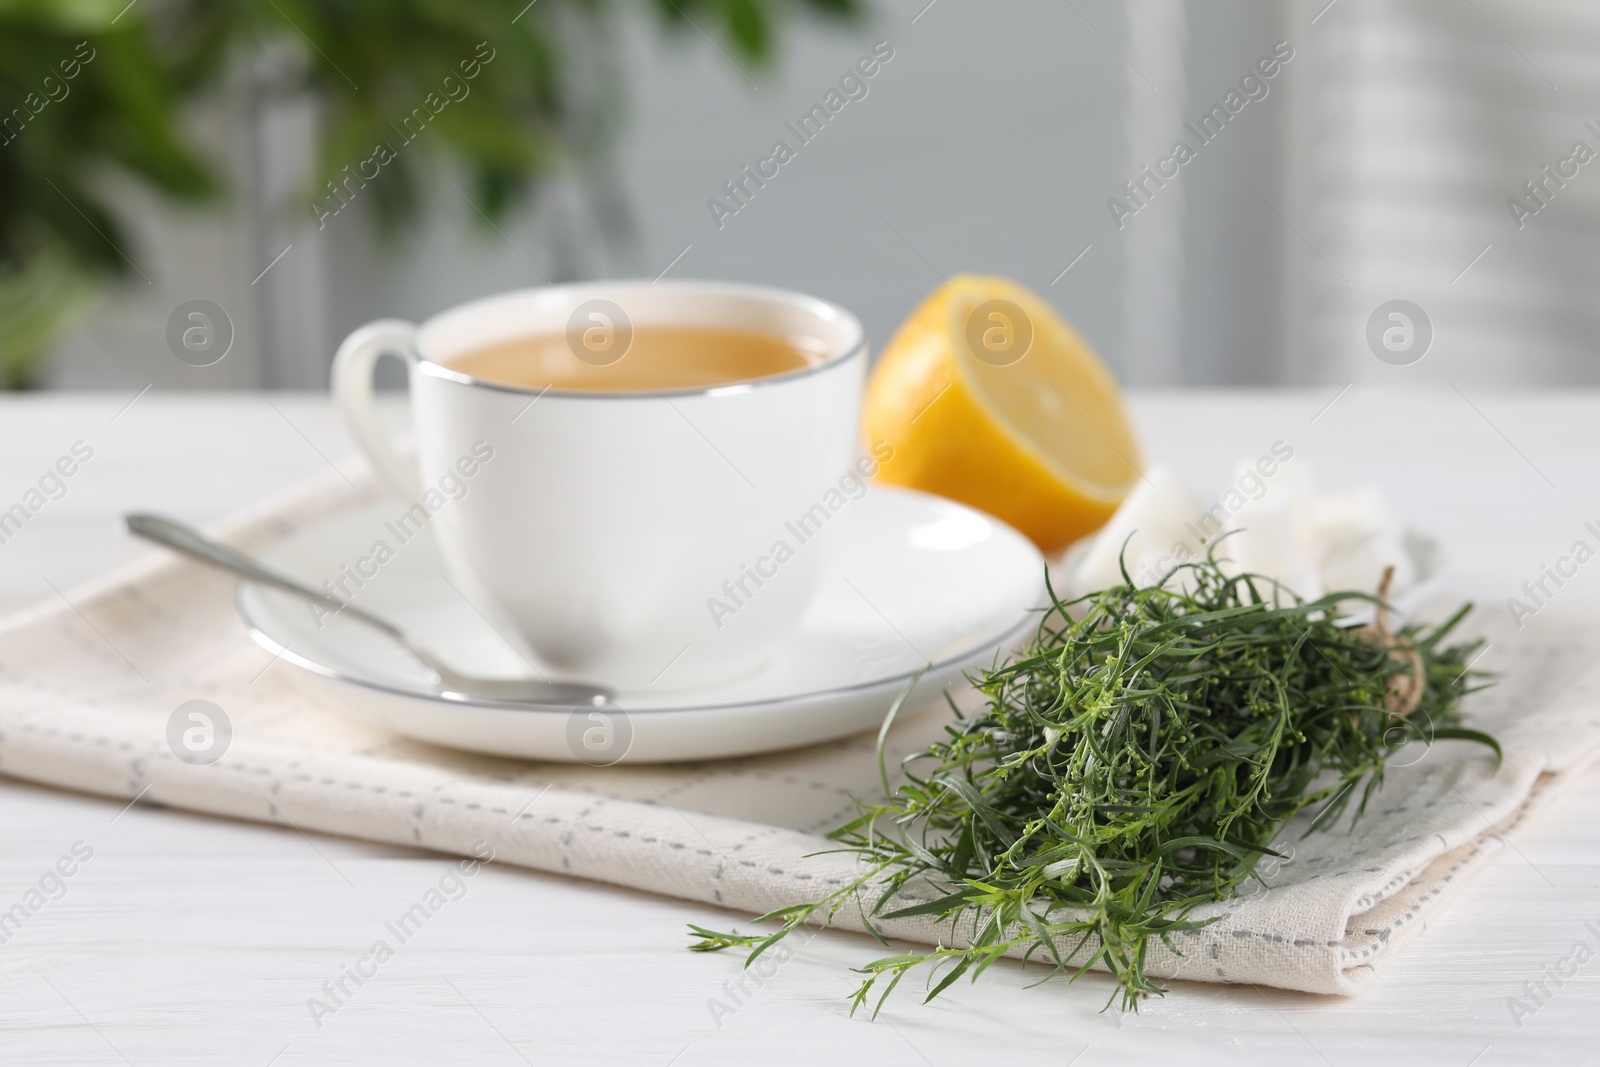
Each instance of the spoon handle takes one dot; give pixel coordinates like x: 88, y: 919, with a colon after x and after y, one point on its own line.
x: 196, y: 545
x: 193, y: 543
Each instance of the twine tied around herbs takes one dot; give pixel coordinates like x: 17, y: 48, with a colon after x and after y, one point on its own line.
x: 1404, y: 691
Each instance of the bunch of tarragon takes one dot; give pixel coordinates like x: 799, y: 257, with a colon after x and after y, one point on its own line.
x: 1134, y: 761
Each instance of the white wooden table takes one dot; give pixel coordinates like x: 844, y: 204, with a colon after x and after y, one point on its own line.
x: 189, y: 939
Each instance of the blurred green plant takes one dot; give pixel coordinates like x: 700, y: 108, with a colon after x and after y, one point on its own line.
x: 92, y: 88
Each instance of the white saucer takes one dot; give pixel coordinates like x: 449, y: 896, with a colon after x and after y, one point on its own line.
x: 914, y: 579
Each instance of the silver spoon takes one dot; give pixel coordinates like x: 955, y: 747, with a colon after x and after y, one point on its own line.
x: 450, y: 682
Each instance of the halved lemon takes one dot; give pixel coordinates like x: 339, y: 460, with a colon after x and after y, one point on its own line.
x: 987, y: 396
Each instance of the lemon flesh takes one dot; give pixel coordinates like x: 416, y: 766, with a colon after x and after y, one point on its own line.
x: 988, y: 397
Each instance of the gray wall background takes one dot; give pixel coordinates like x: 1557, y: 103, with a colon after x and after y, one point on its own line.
x: 990, y: 143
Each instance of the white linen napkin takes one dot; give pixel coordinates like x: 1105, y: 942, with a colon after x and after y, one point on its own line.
x: 87, y: 689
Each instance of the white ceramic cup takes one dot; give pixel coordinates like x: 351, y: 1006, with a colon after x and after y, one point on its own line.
x: 624, y: 538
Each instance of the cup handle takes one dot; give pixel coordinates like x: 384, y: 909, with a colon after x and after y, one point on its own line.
x: 353, y: 394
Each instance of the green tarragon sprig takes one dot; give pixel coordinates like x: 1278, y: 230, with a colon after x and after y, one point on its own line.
x: 1134, y: 761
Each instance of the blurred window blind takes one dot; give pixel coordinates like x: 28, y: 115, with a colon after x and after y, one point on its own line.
x: 1419, y: 128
